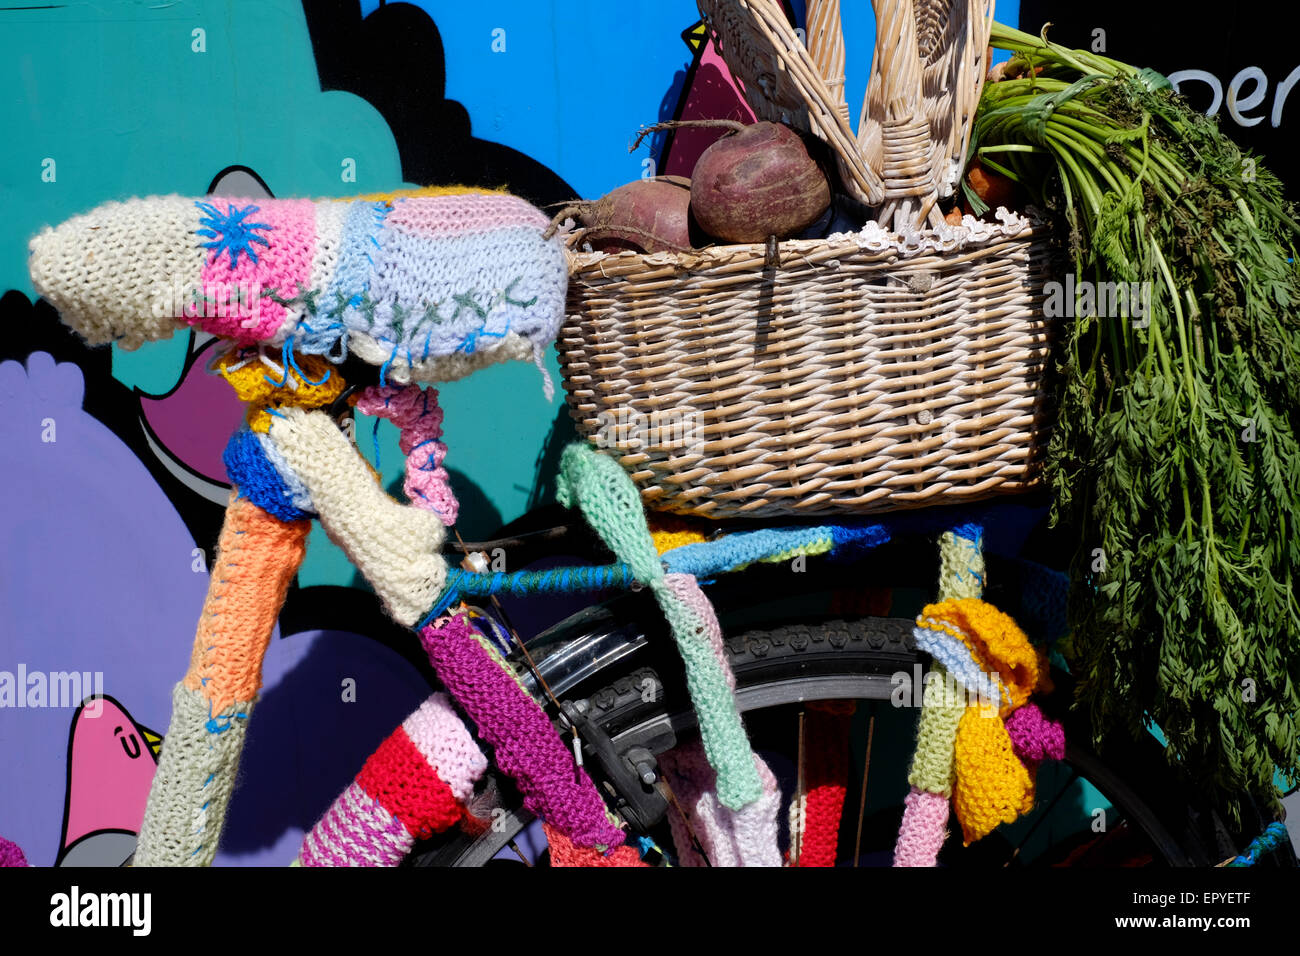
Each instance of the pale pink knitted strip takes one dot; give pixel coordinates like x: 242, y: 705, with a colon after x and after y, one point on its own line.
x: 744, y: 837
x: 924, y: 829
x: 443, y: 738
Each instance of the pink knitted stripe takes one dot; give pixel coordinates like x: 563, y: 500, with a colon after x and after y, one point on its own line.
x: 688, y: 591
x: 356, y: 831
x: 281, y: 266
x: 442, y: 737
x: 440, y: 216
x: 925, y: 819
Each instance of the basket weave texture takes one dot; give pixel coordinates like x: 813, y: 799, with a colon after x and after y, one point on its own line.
x: 893, y: 368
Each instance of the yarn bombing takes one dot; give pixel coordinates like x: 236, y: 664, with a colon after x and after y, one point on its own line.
x: 430, y: 285
x: 257, y: 556
x: 418, y: 418
x: 925, y: 810
x: 993, y: 776
x: 524, y: 743
x: 729, y: 837
x: 609, y: 501
x: 414, y: 785
x: 564, y: 852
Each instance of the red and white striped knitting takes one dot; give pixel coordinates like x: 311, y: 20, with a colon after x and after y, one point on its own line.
x: 416, y: 784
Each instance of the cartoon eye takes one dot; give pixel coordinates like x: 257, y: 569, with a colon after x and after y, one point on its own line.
x: 128, y: 742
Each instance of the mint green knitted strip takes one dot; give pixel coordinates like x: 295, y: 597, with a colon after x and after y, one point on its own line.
x: 961, y: 575
x: 598, y: 485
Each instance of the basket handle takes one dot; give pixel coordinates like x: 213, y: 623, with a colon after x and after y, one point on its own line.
x: 915, y: 141
x: 781, y: 82
x: 826, y: 47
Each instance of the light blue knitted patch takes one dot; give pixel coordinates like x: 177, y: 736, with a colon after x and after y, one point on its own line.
x: 957, y: 659
x: 704, y: 559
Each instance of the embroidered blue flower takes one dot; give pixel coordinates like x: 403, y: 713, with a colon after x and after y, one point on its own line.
x: 229, y: 232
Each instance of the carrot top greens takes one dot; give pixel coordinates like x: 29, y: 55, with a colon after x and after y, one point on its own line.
x: 1174, y: 463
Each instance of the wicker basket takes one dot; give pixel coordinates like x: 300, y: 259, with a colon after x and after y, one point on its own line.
x: 864, y: 372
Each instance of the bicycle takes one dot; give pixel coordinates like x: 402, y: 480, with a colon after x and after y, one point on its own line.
x: 293, y: 463
x: 599, y: 664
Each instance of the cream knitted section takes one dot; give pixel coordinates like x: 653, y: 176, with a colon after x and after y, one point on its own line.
x: 193, y: 783
x: 81, y: 270
x: 395, y: 546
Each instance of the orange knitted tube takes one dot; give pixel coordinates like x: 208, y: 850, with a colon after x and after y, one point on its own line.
x: 257, y: 557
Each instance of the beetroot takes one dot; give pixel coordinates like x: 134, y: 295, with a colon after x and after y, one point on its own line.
x: 758, y: 182
x: 647, y: 215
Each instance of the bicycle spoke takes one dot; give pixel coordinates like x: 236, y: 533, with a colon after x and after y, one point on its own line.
x: 862, y: 800
x: 695, y: 840
x: 1033, y: 828
x: 519, y: 853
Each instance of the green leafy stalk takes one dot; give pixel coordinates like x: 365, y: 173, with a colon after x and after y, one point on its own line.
x: 1175, y: 460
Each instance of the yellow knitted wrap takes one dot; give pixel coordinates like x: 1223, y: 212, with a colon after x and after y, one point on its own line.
x: 991, y: 785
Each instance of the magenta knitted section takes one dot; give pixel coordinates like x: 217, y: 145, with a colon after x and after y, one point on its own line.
x: 11, y: 854
x: 1033, y: 737
x: 526, y: 746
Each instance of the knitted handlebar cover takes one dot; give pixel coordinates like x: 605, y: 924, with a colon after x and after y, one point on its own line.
x: 257, y: 558
x: 431, y: 284
x: 524, y: 743
x: 596, y: 483
x: 416, y: 784
x: 395, y: 546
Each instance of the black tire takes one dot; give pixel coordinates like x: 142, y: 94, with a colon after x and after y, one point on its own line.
x: 639, y: 699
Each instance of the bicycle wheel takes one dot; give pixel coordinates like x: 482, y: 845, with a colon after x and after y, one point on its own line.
x: 608, y: 668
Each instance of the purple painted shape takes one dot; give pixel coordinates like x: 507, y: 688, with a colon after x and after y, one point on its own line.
x: 195, y: 420
x: 96, y: 576
x: 306, y: 743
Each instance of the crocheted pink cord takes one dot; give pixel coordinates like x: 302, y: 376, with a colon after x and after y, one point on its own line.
x: 744, y: 837
x: 416, y: 413
x: 925, y: 816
